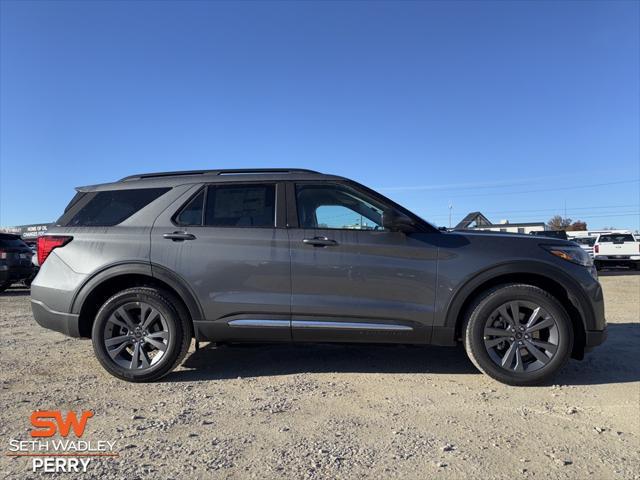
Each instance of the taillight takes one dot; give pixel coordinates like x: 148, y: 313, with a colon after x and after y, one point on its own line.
x: 46, y: 244
x: 3, y: 255
x: 596, y: 249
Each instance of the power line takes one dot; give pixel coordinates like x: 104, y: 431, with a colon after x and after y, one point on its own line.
x: 543, y: 210
x: 576, y: 187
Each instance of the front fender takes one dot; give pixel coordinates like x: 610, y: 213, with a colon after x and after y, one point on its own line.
x: 582, y: 290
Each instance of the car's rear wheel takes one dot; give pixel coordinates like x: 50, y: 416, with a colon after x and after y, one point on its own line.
x: 518, y: 334
x: 139, y: 336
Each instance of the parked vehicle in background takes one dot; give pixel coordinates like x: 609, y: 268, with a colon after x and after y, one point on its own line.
x: 551, y: 234
x: 34, y: 261
x: 144, y: 264
x: 617, y: 249
x: 15, y: 260
x: 586, y: 243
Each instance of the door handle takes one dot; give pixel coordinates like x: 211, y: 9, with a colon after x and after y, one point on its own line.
x: 179, y: 236
x: 320, y: 242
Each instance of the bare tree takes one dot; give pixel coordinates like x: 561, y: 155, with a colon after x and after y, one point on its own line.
x: 578, y: 226
x: 558, y: 223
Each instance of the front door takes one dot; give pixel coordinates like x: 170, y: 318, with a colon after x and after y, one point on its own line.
x: 352, y: 280
x: 229, y: 244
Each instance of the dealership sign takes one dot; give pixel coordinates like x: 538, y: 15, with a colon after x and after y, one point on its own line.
x: 69, y: 454
x: 27, y: 232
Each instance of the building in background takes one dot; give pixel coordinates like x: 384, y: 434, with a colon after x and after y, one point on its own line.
x: 477, y: 221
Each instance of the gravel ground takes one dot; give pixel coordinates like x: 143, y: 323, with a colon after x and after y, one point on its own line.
x: 333, y: 411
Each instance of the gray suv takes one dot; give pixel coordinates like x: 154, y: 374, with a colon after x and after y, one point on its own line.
x: 145, y: 264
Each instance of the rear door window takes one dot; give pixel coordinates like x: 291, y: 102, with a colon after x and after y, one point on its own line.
x: 191, y: 213
x: 249, y: 205
x: 109, y: 207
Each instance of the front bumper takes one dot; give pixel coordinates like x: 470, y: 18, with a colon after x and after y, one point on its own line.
x: 67, y: 323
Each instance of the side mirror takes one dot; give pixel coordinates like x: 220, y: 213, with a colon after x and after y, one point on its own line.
x: 397, y: 222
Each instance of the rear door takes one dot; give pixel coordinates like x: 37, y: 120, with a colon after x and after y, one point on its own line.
x: 352, y: 280
x: 228, y: 244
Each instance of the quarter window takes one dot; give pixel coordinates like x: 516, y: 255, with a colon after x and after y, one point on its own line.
x: 108, y: 207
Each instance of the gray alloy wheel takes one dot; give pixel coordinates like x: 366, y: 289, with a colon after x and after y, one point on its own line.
x: 140, y: 334
x: 517, y: 334
x: 521, y: 336
x: 136, y: 335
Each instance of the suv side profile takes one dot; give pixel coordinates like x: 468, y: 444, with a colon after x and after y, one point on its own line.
x: 145, y: 264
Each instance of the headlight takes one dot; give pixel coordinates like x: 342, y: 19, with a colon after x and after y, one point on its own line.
x: 570, y: 254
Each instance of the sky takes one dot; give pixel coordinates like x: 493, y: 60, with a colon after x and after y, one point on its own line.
x: 521, y: 110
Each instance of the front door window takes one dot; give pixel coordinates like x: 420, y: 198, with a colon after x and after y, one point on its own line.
x: 337, y: 207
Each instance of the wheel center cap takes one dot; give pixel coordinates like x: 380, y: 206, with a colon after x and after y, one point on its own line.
x: 518, y: 336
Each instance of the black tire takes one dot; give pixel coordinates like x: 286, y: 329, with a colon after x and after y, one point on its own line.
x: 479, y: 315
x: 178, y: 325
x: 4, y: 286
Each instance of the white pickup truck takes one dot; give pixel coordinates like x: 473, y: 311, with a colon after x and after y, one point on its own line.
x: 612, y: 249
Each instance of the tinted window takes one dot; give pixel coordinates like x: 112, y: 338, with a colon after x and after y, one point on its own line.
x: 240, y: 206
x: 616, y: 238
x: 192, y: 213
x: 337, y: 207
x: 585, y: 240
x: 109, y: 207
x: 10, y: 241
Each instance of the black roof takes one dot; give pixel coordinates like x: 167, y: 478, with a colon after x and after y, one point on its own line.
x: 234, y: 171
x: 483, y: 222
x: 171, y: 179
x: 471, y: 217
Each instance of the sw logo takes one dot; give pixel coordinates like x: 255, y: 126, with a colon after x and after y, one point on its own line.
x: 57, y: 455
x: 48, y: 423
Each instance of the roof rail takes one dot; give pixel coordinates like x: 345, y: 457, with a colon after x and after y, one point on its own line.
x: 236, y: 171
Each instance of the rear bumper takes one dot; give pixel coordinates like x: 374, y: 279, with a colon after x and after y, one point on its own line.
x: 14, y: 274
x: 66, y: 323
x: 617, y: 258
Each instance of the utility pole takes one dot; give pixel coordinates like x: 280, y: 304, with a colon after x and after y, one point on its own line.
x: 450, y: 209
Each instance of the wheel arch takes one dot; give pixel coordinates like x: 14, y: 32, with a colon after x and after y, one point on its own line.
x: 552, y: 280
x: 114, y: 278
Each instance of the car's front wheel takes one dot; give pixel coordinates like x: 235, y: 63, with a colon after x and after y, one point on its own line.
x: 518, y: 334
x: 139, y: 336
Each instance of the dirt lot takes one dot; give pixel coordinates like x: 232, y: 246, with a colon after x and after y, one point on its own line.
x: 333, y: 411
